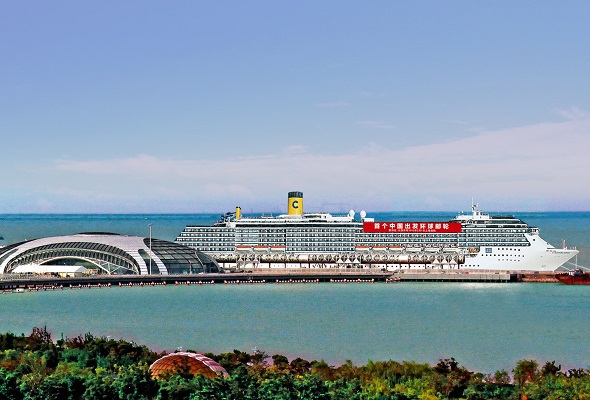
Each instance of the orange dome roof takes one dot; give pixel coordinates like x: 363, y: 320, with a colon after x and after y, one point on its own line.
x: 193, y: 363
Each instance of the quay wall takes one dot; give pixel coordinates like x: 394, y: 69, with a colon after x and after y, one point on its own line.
x: 11, y: 283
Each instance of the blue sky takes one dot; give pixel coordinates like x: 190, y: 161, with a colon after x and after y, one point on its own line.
x: 194, y: 106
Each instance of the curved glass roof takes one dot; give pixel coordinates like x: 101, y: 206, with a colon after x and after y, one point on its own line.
x: 193, y: 363
x: 108, y: 253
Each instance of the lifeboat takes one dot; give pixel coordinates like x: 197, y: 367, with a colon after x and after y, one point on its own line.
x: 450, y: 249
x: 395, y: 248
x: 277, y: 249
x: 243, y: 248
x: 413, y: 248
x: 431, y: 249
x: 473, y: 250
x: 379, y: 248
x: 260, y: 249
x: 362, y: 248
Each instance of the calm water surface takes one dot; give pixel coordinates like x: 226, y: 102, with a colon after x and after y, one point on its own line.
x: 486, y: 327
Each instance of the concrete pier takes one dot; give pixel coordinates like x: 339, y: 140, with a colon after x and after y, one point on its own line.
x: 10, y: 283
x: 455, y: 277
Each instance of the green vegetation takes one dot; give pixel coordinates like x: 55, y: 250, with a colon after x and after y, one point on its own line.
x: 87, y: 367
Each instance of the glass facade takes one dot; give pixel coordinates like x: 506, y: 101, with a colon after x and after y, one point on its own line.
x: 108, y: 254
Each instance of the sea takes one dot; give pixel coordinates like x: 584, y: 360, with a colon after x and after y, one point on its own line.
x: 485, y: 326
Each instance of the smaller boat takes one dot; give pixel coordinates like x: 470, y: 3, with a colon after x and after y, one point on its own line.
x: 396, y: 249
x: 413, y: 248
x: 260, y: 249
x: 574, y: 277
x: 243, y: 248
x: 379, y: 248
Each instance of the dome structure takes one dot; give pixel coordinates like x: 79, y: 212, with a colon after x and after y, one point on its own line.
x: 192, y: 363
x: 109, y: 253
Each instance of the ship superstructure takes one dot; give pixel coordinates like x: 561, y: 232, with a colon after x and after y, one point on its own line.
x: 476, y: 241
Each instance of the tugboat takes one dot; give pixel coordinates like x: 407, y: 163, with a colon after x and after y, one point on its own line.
x: 574, y: 277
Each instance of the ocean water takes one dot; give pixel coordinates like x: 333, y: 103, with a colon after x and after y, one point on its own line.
x: 485, y: 326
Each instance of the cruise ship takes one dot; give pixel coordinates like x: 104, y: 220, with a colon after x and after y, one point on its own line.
x: 472, y: 241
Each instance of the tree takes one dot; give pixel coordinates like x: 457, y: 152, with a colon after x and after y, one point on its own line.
x: 100, y: 387
x: 176, y: 388
x: 135, y: 383
x: 9, y: 385
x: 550, y: 369
x: 525, y: 371
x: 300, y: 366
x: 277, y: 387
x: 280, y: 362
x: 310, y: 387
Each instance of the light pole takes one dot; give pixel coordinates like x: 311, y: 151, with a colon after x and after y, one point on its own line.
x: 150, y: 270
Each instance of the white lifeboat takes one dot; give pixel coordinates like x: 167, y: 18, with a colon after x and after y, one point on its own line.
x: 450, y: 249
x: 362, y: 248
x: 260, y: 249
x: 277, y: 249
x: 396, y: 248
x: 243, y: 248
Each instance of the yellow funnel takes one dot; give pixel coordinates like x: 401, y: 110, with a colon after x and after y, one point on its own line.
x: 295, y: 205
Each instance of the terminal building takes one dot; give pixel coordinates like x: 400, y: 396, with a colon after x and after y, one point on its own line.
x: 104, y: 253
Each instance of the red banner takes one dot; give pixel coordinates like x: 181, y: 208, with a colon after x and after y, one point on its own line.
x: 412, y: 227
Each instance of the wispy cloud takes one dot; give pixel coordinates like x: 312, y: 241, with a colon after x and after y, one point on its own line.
x: 530, y: 167
x: 572, y: 113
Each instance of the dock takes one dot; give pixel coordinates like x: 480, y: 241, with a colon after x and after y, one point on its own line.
x: 9, y: 283
x: 457, y: 277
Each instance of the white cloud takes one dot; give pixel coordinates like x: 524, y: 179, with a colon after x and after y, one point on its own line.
x: 542, y: 166
x: 573, y: 113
